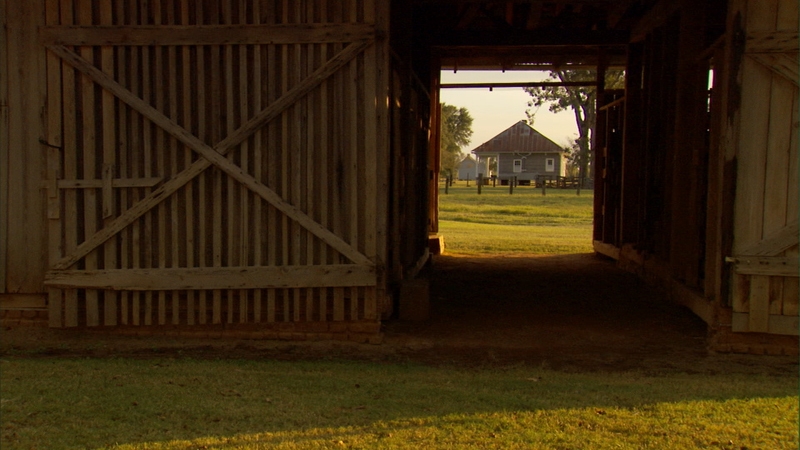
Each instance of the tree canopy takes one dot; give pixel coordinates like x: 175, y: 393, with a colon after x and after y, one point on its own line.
x: 581, y: 100
x: 456, y: 132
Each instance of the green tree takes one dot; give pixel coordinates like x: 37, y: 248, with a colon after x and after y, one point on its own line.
x: 456, y: 133
x: 581, y: 100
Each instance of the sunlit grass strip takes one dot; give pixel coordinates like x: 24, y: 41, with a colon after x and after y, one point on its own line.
x: 161, y: 403
x: 745, y: 424
x: 478, y: 238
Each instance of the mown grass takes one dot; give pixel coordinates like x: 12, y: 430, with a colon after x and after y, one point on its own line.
x: 183, y: 403
x: 496, y: 222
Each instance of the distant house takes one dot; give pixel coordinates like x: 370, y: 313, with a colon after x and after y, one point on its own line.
x: 524, y: 153
x: 469, y: 168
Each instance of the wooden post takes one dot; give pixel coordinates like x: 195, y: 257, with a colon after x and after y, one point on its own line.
x: 447, y: 184
x: 544, y: 187
x: 510, y: 186
x: 480, y: 183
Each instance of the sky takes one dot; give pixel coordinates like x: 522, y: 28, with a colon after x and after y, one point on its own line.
x: 494, y: 111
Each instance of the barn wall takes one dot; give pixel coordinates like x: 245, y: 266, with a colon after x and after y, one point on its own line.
x: 112, y: 193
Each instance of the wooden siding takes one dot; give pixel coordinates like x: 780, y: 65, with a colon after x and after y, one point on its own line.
x: 194, y: 169
x: 533, y: 165
x: 23, y: 235
x: 765, y: 246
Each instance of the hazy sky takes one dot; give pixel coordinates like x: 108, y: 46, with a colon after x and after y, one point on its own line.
x: 492, y: 112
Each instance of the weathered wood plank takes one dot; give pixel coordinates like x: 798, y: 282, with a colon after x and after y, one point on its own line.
x: 89, y: 156
x: 776, y: 324
x: 263, y: 277
x: 110, y: 298
x: 114, y: 183
x: 55, y: 147
x: 4, y: 147
x: 26, y: 233
x: 759, y: 304
x: 783, y: 65
x: 774, y: 243
x: 772, y: 41
x: 771, y: 266
x: 740, y: 289
x: 791, y: 296
x: 752, y: 157
x: 222, y: 34
x: 212, y: 156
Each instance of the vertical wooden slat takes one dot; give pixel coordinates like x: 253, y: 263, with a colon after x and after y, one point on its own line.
x: 245, y: 225
x: 110, y: 298
x: 371, y: 107
x: 5, y: 144
x: 160, y: 154
x: 338, y: 194
x: 753, y: 134
x: 382, y: 155
x: 232, y: 205
x: 273, y: 157
x: 258, y: 222
x: 791, y: 296
x: 89, y: 147
x: 54, y: 139
x: 149, y: 78
x: 203, y: 181
x: 355, y: 301
x: 174, y: 57
x: 740, y: 289
x: 135, y: 166
x: 215, y: 125
x: 122, y: 57
x: 338, y: 304
x: 759, y: 304
x: 193, y: 258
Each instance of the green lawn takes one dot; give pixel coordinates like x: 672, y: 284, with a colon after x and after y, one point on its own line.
x: 55, y: 403
x: 523, y: 222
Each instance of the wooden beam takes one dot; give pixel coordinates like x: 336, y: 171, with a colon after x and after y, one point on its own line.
x: 654, y: 18
x: 772, y: 42
x: 516, y: 85
x: 262, y: 277
x: 772, y: 266
x: 774, y: 243
x: 205, y: 34
x: 779, y: 63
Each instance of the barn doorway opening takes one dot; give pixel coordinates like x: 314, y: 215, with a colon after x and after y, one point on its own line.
x: 516, y: 153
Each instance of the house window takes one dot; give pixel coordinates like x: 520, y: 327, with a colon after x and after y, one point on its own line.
x: 517, y: 165
x: 550, y: 165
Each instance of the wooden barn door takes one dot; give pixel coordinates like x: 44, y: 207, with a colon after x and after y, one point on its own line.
x: 765, y: 248
x: 214, y: 161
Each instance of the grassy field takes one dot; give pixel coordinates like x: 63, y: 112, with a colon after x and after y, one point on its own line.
x: 523, y: 222
x: 58, y: 403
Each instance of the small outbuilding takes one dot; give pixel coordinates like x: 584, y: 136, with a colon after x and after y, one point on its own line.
x: 469, y: 168
x: 524, y: 153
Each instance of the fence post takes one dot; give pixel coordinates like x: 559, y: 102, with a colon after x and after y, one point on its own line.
x: 447, y: 184
x: 480, y: 183
x: 510, y: 185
